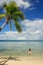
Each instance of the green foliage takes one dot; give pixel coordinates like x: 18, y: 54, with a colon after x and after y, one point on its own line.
x: 11, y: 8
x: 18, y: 27
x: 20, y: 15
x: 13, y: 12
x: 2, y: 15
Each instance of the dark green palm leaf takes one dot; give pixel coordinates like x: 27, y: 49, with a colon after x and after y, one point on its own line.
x: 20, y: 15
x: 18, y: 27
x: 12, y: 12
x: 2, y: 15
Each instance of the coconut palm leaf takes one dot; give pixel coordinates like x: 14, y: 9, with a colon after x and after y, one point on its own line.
x: 20, y: 15
x: 12, y: 7
x: 12, y: 12
x: 2, y: 15
x: 18, y: 27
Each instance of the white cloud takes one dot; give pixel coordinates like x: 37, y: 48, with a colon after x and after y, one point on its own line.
x: 33, y: 3
x: 20, y: 3
x: 12, y: 35
x: 32, y: 8
x: 32, y: 30
x: 35, y: 32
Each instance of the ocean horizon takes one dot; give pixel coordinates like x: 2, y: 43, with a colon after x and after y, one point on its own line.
x: 21, y: 40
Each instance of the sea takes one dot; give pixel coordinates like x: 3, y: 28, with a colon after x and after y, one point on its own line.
x: 21, y: 47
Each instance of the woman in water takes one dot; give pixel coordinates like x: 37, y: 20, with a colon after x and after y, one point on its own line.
x: 30, y: 51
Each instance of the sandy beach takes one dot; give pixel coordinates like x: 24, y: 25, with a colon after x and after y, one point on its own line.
x: 23, y: 60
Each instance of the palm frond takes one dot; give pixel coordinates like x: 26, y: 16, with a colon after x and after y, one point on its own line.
x: 12, y: 12
x: 20, y: 15
x: 13, y: 4
x: 4, y: 5
x: 11, y: 7
x: 18, y: 27
x: 2, y: 15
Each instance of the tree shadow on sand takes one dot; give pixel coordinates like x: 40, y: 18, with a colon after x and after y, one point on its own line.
x: 7, y: 59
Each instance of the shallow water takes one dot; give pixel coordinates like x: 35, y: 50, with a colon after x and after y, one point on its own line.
x: 21, y: 48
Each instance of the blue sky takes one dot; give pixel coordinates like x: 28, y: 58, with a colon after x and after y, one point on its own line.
x: 33, y: 24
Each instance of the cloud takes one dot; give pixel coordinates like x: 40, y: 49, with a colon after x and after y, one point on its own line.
x: 23, y: 3
x: 34, y: 4
x: 35, y: 32
x: 20, y: 3
x: 32, y: 8
x: 32, y: 30
x: 12, y: 35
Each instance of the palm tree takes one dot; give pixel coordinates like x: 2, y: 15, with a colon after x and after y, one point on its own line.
x: 12, y: 12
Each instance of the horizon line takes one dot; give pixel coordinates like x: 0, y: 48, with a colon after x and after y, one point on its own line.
x: 21, y: 40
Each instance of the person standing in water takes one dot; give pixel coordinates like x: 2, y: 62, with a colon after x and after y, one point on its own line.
x: 30, y: 51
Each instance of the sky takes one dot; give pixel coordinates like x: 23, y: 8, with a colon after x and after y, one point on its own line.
x: 32, y: 25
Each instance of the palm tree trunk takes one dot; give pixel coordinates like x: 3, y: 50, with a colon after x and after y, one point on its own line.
x: 3, y: 25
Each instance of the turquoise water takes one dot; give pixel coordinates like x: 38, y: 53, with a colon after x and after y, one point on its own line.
x: 21, y: 48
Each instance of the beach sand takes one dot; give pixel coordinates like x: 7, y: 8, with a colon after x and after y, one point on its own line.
x: 23, y: 60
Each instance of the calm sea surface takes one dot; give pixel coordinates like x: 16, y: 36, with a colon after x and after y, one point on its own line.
x: 21, y: 47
